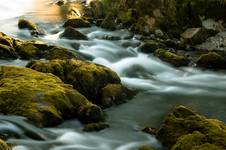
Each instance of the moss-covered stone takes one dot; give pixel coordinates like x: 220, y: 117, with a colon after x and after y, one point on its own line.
x: 7, y: 52
x: 31, y: 26
x: 95, y: 126
x: 184, y: 129
x: 77, y: 23
x: 4, y: 146
x: 86, y: 77
x: 172, y: 58
x: 43, y: 98
x: 114, y: 94
x: 145, y: 147
x: 37, y: 50
x: 150, y: 46
x: 6, y: 40
x: 73, y: 34
x: 211, y: 60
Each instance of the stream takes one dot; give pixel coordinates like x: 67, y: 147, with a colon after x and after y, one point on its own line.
x: 161, y: 86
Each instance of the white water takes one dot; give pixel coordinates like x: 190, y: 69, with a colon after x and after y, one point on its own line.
x: 162, y: 87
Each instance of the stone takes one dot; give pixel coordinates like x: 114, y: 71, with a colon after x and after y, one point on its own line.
x: 73, y: 34
x: 149, y: 46
x: 43, y: 98
x: 77, y: 23
x: 95, y: 126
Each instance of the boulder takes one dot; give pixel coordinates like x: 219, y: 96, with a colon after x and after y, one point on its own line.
x: 211, y: 60
x: 77, y: 23
x: 86, y: 77
x: 113, y: 94
x: 7, y: 52
x: 184, y: 129
x: 43, y: 98
x: 149, y: 46
x: 73, y: 34
x: 172, y: 58
x: 197, y: 35
x: 31, y: 26
x: 36, y: 50
x: 145, y: 147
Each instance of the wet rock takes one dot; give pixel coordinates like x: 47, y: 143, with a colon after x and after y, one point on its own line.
x: 43, y: 98
x: 73, y: 34
x: 111, y: 38
x: 77, y: 23
x: 114, y: 94
x: 150, y: 46
x: 95, y: 126
x: 32, y: 27
x: 7, y: 52
x: 75, y: 46
x: 172, y: 58
x: 86, y: 77
x: 185, y: 129
x: 36, y: 50
x: 130, y: 44
x: 4, y: 146
x: 60, y: 2
x: 6, y: 40
x: 150, y: 130
x: 211, y: 60
x: 109, y: 22
x: 197, y: 35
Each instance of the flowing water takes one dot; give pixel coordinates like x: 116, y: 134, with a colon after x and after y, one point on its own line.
x: 161, y: 86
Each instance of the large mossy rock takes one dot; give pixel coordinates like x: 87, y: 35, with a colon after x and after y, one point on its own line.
x: 36, y: 50
x: 172, y: 58
x: 184, y: 129
x: 87, y: 78
x: 77, y: 23
x: 73, y: 34
x: 43, y: 98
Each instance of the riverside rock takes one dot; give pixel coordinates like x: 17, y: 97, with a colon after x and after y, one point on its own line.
x: 73, y: 34
x: 87, y: 78
x: 184, y: 129
x: 77, y: 23
x: 31, y: 26
x: 43, y: 98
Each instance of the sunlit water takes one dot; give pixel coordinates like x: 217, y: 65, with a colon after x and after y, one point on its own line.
x: 161, y: 87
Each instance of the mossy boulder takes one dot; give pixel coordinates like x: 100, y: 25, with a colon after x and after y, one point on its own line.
x: 31, y: 26
x: 172, y: 58
x: 211, y: 60
x: 36, y: 50
x: 6, y: 40
x: 7, y: 52
x: 150, y: 46
x: 43, y: 98
x: 73, y: 34
x: 184, y: 129
x: 87, y: 78
x: 4, y: 146
x: 77, y: 23
x: 113, y: 94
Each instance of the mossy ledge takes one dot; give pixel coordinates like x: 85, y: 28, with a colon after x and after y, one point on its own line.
x: 43, y: 98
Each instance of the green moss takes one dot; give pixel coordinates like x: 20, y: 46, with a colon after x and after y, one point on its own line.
x: 26, y: 24
x: 43, y: 98
x: 77, y: 23
x: 183, y: 129
x: 145, y: 147
x: 4, y: 146
x: 172, y: 58
x: 86, y: 77
x: 95, y: 126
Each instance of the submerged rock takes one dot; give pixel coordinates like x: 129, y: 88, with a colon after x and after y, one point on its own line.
x: 86, y: 77
x: 184, y: 129
x: 95, y: 126
x: 211, y: 60
x: 73, y: 34
x: 172, y: 58
x: 77, y: 23
x: 114, y: 94
x: 43, y: 98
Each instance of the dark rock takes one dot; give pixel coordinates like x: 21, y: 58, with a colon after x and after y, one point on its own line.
x: 150, y: 46
x: 197, y: 35
x: 73, y: 34
x: 145, y: 147
x: 172, y: 58
x: 211, y: 60
x: 95, y: 126
x: 77, y: 23
x: 150, y: 130
x: 7, y: 52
